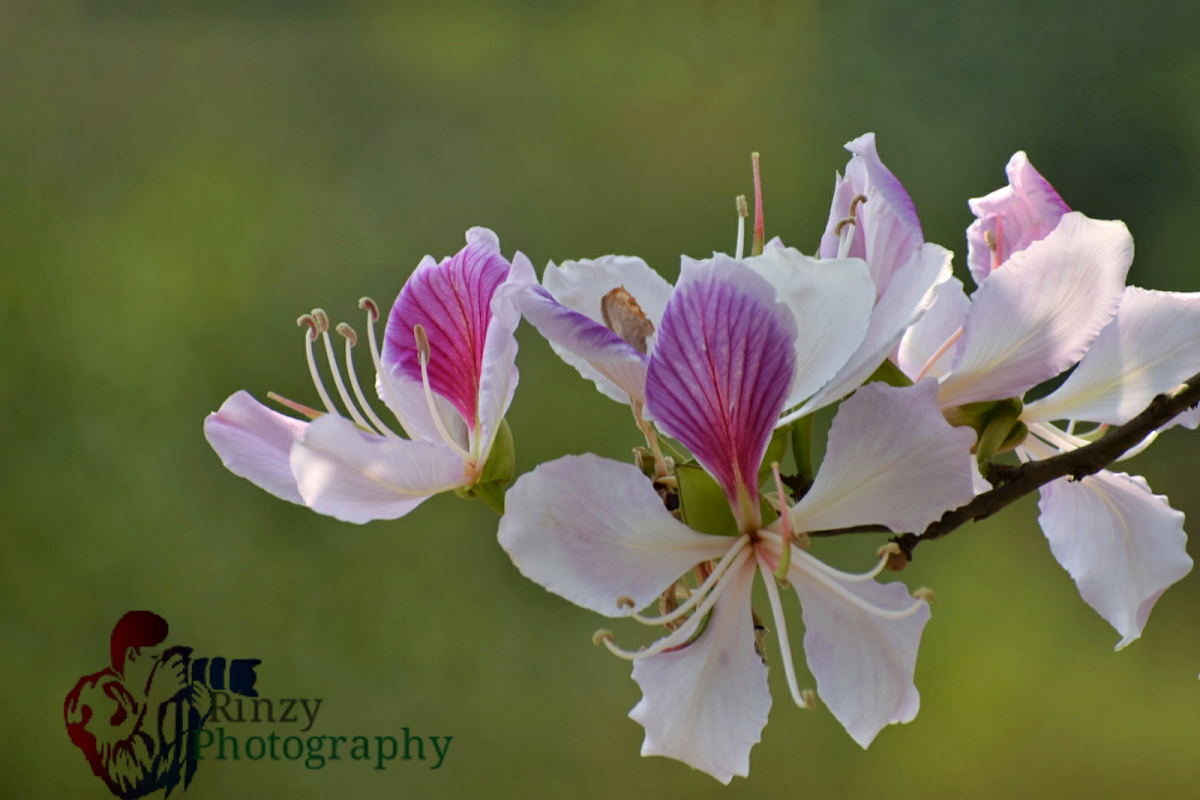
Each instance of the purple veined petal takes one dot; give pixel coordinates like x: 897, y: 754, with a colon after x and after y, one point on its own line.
x: 942, y: 321
x: 888, y: 230
x: 1123, y: 544
x: 453, y: 302
x: 1150, y: 347
x: 498, y: 374
x: 831, y: 301
x: 617, y: 369
x: 253, y: 442
x: 594, y: 530
x: 707, y: 704
x: 906, y: 300
x: 1039, y: 314
x: 346, y: 473
x: 722, y: 369
x: 892, y: 459
x: 1017, y: 215
x: 863, y: 661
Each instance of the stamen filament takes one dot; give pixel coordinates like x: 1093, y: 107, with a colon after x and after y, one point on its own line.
x: 660, y: 463
x: 351, y: 340
x: 699, y: 593
x: 941, y: 351
x: 856, y: 601
x: 309, y: 337
x: 785, y: 515
x: 341, y: 386
x: 299, y: 408
x: 785, y: 648
x: 423, y: 357
x: 849, y: 577
x: 372, y: 310
x: 684, y: 632
x: 743, y: 212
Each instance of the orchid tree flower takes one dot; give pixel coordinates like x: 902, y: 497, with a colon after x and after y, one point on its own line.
x: 447, y: 373
x: 873, y: 218
x: 1052, y: 297
x: 598, y: 533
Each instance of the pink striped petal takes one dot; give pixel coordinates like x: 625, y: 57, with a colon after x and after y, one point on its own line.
x: 453, y: 302
x: 888, y: 230
x: 707, y: 704
x: 1017, y: 215
x: 588, y: 345
x: 924, y: 339
x: 722, y: 369
x: 254, y: 442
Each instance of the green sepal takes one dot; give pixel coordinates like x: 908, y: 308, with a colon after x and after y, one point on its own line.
x: 702, y: 502
x: 1002, y: 431
x: 497, y: 472
x: 802, y: 447
x: 979, y: 415
x: 890, y: 374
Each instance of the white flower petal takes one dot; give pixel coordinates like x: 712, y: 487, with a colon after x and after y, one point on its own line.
x: 892, y: 460
x: 863, y: 662
x: 253, y: 442
x: 594, y: 530
x: 908, y: 296
x: 706, y: 705
x: 357, y: 477
x: 1038, y: 314
x: 832, y: 302
x: 498, y: 374
x: 1150, y: 347
x: 933, y: 330
x: 1123, y: 544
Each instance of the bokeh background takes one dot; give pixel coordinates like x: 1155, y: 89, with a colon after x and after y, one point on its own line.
x: 178, y: 181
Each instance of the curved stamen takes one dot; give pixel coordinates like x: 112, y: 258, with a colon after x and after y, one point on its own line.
x: 1138, y: 448
x: 337, y: 375
x: 849, y: 577
x: 684, y: 632
x: 785, y: 648
x: 785, y: 516
x: 857, y: 601
x: 309, y: 337
x: 1057, y: 437
x: 699, y: 593
x: 389, y: 398
x: 941, y: 351
x: 351, y: 340
x: 423, y: 357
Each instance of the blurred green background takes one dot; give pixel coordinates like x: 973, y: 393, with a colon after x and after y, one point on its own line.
x: 178, y: 181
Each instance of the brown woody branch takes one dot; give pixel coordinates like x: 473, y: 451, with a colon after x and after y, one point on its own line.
x: 1014, y: 482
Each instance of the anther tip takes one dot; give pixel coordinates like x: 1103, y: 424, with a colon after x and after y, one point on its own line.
x: 422, y: 342
x: 626, y: 603
x: 307, y: 319
x: 989, y: 238
x: 743, y: 209
x: 891, y: 548
x: 810, y: 699
x: 348, y: 332
x: 924, y: 593
x: 601, y: 636
x: 369, y: 305
x: 321, y: 318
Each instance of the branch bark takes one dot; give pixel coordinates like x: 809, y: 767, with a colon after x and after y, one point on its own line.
x: 1012, y: 483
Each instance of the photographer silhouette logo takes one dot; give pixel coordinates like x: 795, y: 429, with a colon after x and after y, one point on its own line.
x: 135, y: 720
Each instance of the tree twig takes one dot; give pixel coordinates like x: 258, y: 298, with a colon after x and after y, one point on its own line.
x: 1013, y: 483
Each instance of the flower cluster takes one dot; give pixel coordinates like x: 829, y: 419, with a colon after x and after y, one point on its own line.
x: 722, y: 373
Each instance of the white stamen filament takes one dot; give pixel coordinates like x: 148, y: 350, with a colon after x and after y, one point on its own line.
x: 684, y: 632
x: 740, y: 250
x: 1063, y: 441
x: 941, y: 351
x: 849, y: 577
x: 372, y: 310
x: 351, y: 338
x: 340, y: 384
x: 700, y: 592
x: 785, y: 648
x: 857, y: 601
x: 846, y: 233
x: 423, y: 357
x: 309, y: 337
